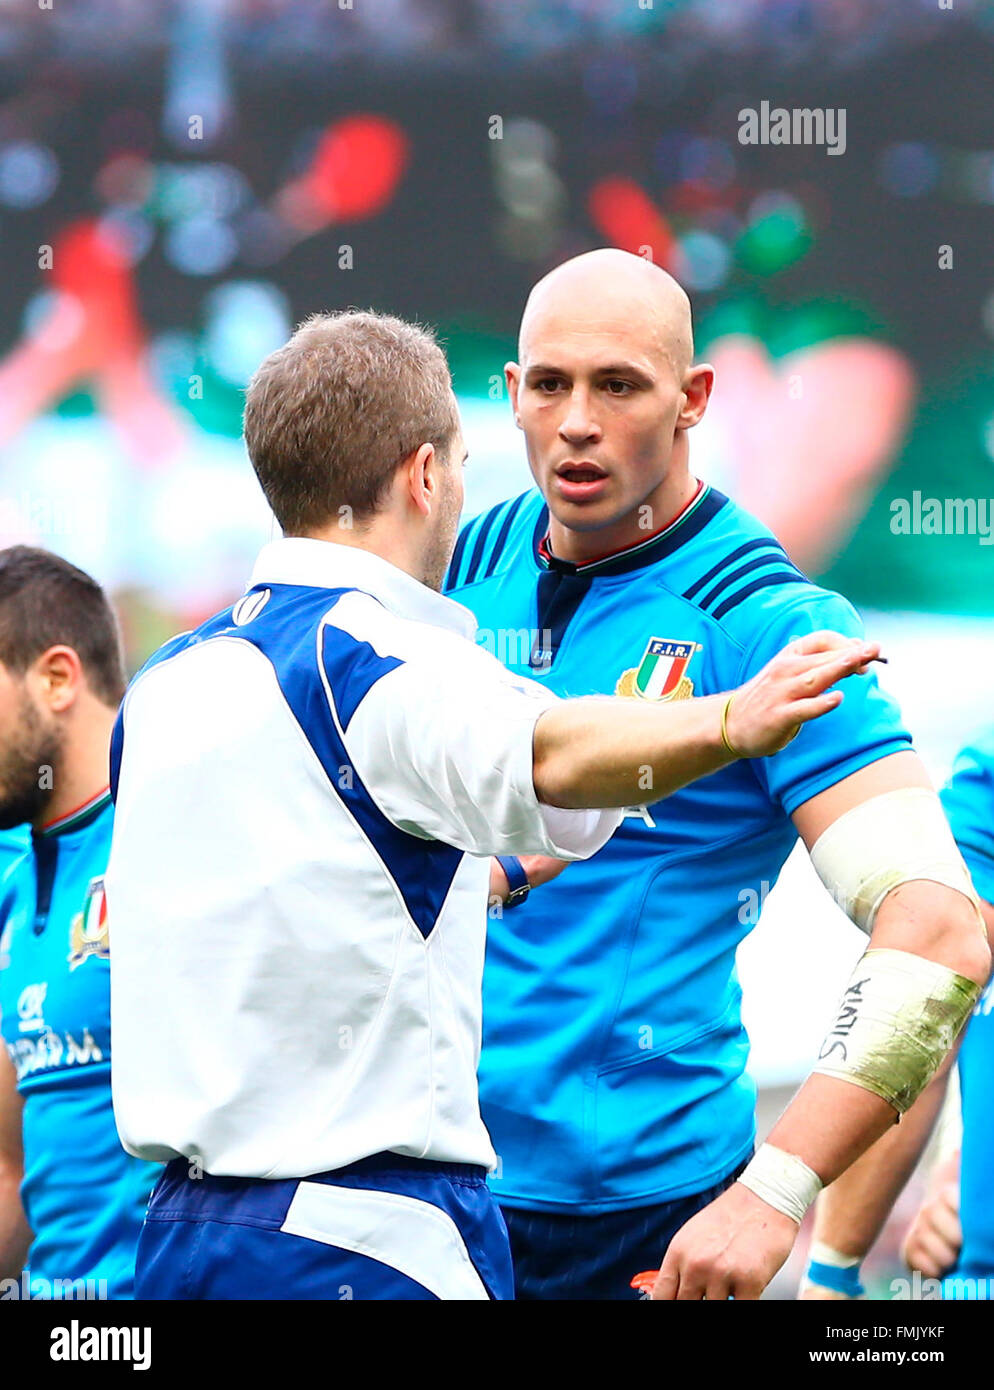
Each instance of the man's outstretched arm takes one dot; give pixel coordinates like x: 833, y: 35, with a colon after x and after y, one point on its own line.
x: 610, y: 752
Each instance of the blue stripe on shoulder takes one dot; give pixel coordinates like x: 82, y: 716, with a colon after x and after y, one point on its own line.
x: 758, y: 562
x: 765, y: 581
x: 503, y: 533
x: 474, y: 537
x: 485, y: 527
x: 763, y: 542
x: 452, y: 576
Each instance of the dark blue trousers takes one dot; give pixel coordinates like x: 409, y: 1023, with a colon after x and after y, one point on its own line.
x: 565, y: 1256
x: 387, y: 1228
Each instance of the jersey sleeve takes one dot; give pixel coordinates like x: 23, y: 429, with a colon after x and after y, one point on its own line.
x: 865, y: 727
x: 443, y: 743
x: 968, y: 800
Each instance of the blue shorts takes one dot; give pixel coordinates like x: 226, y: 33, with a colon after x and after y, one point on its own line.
x: 562, y: 1256
x: 386, y: 1227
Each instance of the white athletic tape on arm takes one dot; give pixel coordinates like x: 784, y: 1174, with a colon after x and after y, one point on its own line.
x: 827, y: 1255
x: 783, y: 1180
x: 900, y: 1014
x: 891, y: 839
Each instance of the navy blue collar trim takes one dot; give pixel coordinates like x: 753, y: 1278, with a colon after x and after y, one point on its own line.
x: 642, y: 554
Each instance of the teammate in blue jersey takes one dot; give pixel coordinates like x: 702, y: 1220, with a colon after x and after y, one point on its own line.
x: 953, y: 1233
x: 13, y: 843
x: 67, y: 1187
x: 613, y: 1071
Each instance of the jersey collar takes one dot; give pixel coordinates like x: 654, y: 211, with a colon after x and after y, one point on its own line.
x: 77, y: 818
x: 326, y: 565
x: 692, y: 520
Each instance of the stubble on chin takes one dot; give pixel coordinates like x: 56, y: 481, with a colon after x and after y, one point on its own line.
x: 28, y: 770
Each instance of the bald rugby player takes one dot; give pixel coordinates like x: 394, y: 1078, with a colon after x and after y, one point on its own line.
x: 613, y: 1068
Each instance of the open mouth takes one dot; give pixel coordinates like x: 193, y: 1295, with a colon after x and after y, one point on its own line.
x: 580, y: 472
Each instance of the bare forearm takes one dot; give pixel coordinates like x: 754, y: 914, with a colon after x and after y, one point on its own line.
x: 829, y: 1123
x: 851, y: 1213
x: 616, y: 752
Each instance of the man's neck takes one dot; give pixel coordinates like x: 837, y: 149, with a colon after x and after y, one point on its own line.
x: 658, y: 511
x: 379, y: 539
x: 82, y: 773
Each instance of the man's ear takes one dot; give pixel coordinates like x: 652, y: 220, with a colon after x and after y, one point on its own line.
x: 512, y: 375
x: 421, y: 472
x: 57, y: 676
x: 697, y: 386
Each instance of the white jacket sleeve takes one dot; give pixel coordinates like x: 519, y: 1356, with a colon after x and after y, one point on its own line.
x: 443, y: 743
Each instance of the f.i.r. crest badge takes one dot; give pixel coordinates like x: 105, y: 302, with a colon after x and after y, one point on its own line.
x: 660, y: 675
x: 88, y: 934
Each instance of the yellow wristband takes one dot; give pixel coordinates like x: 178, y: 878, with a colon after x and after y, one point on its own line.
x: 724, y: 728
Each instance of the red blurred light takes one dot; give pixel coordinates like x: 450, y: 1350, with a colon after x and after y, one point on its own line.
x: 629, y: 219
x: 354, y: 173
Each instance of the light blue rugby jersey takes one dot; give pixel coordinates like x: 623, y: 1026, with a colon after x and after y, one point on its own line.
x: 84, y: 1197
x: 13, y: 844
x: 613, y: 1066
x: 969, y: 803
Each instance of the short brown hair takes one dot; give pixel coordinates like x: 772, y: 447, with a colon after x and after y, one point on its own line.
x: 47, y: 602
x: 330, y: 416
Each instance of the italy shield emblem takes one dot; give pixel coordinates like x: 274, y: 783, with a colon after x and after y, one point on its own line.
x: 661, y: 674
x: 88, y: 929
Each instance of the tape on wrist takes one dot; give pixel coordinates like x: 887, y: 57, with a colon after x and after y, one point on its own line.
x: 782, y: 1180
x: 830, y: 1269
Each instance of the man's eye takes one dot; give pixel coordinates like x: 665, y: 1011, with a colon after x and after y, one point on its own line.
x: 616, y: 387
x: 547, y: 385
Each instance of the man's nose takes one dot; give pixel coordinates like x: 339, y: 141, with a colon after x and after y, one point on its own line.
x: 578, y: 423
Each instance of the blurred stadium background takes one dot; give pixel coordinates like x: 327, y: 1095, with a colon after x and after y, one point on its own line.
x: 181, y: 181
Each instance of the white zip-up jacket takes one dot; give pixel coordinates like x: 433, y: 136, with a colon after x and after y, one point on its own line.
x: 308, y: 789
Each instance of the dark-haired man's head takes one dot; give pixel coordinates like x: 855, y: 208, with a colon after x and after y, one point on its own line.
x: 61, y: 675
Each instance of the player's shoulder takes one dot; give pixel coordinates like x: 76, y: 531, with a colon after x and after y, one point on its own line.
x: 434, y: 631
x: 17, y: 883
x: 975, y: 760
x: 739, y: 576
x: 18, y: 867
x: 279, y: 619
x: 488, y: 542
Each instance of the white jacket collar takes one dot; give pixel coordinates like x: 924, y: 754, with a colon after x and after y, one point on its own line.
x: 326, y: 565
